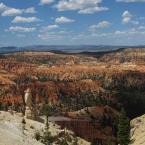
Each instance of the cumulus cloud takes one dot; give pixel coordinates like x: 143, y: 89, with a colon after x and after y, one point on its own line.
x: 92, y: 10
x: 9, y: 11
x: 30, y: 10
x: 53, y: 35
x: 130, y: 1
x: 46, y: 2
x: 118, y: 32
x: 103, y: 24
x: 82, y: 6
x: 126, y: 17
x: 50, y: 36
x: 131, y: 32
x: 127, y: 37
x: 49, y: 27
x: 100, y: 25
x: 141, y: 27
x: 135, y: 22
x: 20, y: 29
x: 62, y: 20
x: 19, y: 19
x: 2, y: 7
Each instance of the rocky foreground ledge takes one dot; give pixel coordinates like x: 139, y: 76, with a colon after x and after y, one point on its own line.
x: 13, y: 133
x: 138, y: 131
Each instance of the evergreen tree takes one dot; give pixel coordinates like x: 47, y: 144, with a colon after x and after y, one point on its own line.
x: 46, y: 111
x: 46, y: 139
x: 23, y: 125
x: 37, y: 135
x: 123, y: 134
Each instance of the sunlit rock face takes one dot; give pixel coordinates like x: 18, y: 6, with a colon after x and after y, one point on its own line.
x: 12, y: 131
x: 138, y: 131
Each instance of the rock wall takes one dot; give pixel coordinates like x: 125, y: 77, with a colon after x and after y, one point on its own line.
x: 138, y: 131
x: 85, y: 129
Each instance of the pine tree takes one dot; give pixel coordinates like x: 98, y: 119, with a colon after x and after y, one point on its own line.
x: 46, y: 139
x: 46, y: 111
x: 123, y: 134
x: 23, y: 125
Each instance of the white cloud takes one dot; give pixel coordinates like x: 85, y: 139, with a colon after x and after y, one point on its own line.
x: 141, y: 18
x: 141, y: 27
x: 120, y: 37
x: 46, y: 2
x: 118, y: 32
x: 53, y: 35
x: 83, y: 6
x: 30, y: 10
x: 100, y: 25
x: 103, y: 24
x: 9, y: 11
x: 93, y: 28
x: 126, y: 17
x: 62, y: 20
x: 52, y: 27
x: 133, y: 32
x: 135, y: 22
x: 92, y: 10
x: 49, y: 27
x: 127, y: 37
x: 19, y: 19
x: 130, y: 1
x: 50, y: 36
x: 2, y: 7
x: 20, y: 29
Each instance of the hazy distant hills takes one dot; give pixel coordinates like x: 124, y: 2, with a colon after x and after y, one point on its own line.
x: 65, y: 48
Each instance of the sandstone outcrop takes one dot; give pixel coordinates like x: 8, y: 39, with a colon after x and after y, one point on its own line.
x: 13, y: 133
x: 29, y: 108
x: 138, y: 131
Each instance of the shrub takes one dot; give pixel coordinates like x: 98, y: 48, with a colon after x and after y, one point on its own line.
x: 37, y: 135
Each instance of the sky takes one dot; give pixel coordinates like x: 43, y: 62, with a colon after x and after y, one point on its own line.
x: 72, y: 22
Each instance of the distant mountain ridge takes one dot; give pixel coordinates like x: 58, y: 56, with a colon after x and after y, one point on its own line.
x: 65, y: 48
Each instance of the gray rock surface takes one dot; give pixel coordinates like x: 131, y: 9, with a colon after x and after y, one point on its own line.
x: 138, y: 131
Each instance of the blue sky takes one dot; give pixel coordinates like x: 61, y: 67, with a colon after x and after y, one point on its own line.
x: 72, y: 22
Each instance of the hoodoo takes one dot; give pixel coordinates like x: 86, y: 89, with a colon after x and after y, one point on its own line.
x: 29, y: 108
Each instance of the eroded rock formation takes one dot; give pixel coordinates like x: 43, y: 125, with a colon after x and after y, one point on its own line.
x: 29, y: 111
x: 138, y: 131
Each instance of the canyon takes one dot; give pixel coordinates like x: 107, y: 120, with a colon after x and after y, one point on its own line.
x: 87, y: 88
